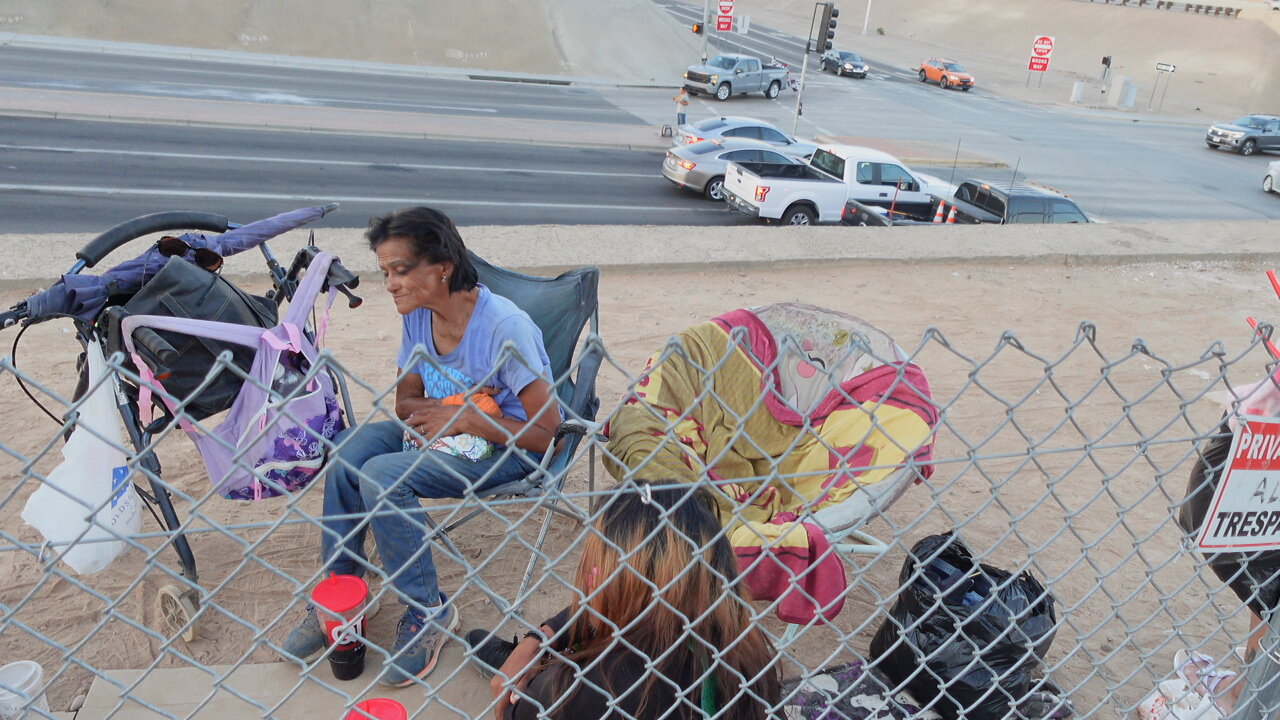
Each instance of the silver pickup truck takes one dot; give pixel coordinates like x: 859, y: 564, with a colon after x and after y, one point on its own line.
x: 726, y: 75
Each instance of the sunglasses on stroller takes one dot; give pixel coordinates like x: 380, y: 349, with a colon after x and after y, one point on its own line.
x: 170, y: 246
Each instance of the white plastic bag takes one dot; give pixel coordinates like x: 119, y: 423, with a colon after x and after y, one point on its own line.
x: 93, y: 474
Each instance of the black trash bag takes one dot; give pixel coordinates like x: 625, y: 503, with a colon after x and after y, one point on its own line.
x: 1253, y: 576
x: 964, y: 636
x: 183, y: 290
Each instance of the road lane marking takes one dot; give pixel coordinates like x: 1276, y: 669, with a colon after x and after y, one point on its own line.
x: 306, y: 161
x: 417, y: 200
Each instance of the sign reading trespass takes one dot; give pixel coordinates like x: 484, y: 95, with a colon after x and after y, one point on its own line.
x: 1244, y: 514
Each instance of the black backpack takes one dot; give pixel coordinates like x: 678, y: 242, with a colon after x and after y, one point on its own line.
x: 184, y: 290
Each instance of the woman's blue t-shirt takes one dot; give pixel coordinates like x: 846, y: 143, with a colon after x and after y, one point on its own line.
x: 501, y: 348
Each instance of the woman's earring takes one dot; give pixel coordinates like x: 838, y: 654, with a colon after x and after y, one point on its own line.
x: 444, y: 278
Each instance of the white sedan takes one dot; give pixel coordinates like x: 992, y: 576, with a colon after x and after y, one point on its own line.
x: 1271, y: 181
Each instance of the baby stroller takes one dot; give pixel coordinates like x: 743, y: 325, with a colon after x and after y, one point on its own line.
x: 202, y: 376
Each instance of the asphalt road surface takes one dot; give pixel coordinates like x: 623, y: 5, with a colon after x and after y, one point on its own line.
x: 79, y: 176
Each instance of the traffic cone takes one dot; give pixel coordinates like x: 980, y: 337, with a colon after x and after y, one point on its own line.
x: 937, y: 217
x: 951, y: 216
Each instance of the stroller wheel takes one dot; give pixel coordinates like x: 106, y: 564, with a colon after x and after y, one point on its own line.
x: 177, y: 611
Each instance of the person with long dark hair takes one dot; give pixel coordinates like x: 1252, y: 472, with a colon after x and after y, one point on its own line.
x: 662, y: 627
x: 475, y: 408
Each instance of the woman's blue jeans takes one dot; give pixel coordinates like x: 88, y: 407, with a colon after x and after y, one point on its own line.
x: 373, y: 483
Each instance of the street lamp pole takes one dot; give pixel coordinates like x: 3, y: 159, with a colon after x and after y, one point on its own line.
x: 866, y: 20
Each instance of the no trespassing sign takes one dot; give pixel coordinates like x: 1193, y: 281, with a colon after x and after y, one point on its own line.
x: 1244, y: 515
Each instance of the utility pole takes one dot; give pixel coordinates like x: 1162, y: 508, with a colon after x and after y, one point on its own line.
x: 866, y: 20
x: 823, y: 43
x: 795, y: 122
x: 706, y: 15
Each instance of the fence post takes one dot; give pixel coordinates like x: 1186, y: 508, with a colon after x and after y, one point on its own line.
x: 1262, y: 689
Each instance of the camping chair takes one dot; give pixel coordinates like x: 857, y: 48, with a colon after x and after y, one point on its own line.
x: 560, y: 307
x: 780, y: 375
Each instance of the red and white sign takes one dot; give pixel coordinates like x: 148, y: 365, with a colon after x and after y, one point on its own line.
x: 1244, y: 514
x: 724, y: 21
x: 1041, y: 50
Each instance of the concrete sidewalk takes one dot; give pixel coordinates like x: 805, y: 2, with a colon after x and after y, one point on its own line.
x: 220, y: 692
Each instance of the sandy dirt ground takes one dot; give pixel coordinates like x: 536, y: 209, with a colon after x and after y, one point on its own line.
x: 1004, y: 352
x: 1089, y: 514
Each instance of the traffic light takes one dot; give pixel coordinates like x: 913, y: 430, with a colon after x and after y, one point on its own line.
x: 827, y: 28
x: 697, y: 28
x: 1106, y: 61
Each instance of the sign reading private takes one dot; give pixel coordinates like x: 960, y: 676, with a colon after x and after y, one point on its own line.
x: 1244, y: 514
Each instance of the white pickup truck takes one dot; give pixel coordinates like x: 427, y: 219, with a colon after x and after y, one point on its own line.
x: 817, y: 192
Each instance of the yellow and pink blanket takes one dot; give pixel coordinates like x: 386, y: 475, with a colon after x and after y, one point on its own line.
x: 796, y: 413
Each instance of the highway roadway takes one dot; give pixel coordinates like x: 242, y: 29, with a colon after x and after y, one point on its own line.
x: 69, y: 175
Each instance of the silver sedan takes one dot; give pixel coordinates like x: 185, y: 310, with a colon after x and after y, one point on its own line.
x: 700, y: 167
x: 1271, y: 181
x: 718, y: 128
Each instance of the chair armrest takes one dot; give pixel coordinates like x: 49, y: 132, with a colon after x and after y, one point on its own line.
x: 576, y: 427
x: 583, y: 402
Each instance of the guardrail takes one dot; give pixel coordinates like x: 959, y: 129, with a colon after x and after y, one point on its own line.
x: 1197, y: 8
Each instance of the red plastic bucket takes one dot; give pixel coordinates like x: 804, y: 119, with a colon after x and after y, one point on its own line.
x: 379, y: 708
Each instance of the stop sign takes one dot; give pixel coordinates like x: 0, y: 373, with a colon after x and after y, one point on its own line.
x: 1043, y: 46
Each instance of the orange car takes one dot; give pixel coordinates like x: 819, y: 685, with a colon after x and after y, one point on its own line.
x: 947, y: 73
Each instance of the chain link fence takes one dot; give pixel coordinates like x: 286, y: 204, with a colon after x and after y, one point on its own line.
x: 1000, y: 539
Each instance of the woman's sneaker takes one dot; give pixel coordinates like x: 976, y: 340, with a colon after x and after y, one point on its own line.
x: 419, y: 637
x: 489, y: 654
x: 307, y: 639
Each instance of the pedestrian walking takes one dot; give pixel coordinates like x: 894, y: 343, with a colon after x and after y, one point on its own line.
x: 682, y: 102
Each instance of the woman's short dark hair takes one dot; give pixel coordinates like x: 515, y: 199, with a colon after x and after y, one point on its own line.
x: 434, y: 238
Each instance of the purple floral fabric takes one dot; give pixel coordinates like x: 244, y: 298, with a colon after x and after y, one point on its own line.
x: 294, y: 457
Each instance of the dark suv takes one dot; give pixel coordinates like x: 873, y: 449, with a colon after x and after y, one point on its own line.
x: 1246, y: 135
x: 979, y: 201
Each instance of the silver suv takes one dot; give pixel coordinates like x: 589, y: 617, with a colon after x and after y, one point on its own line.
x: 1246, y: 135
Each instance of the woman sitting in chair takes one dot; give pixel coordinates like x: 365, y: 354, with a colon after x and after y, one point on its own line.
x: 476, y: 414
x: 656, y: 583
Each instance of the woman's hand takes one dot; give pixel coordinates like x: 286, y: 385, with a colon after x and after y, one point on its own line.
x: 513, y: 676
x: 434, y: 420
x: 444, y: 420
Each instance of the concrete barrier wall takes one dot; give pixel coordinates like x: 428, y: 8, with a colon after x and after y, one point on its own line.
x: 550, y: 248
